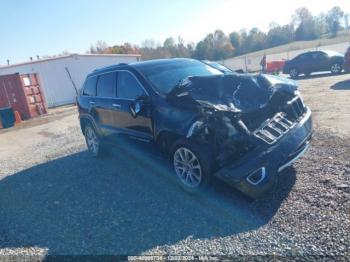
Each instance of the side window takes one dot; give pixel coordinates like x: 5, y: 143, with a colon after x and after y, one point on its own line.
x: 304, y: 56
x: 322, y: 55
x: 318, y: 55
x: 106, y: 85
x: 299, y: 57
x: 90, y: 86
x: 128, y: 86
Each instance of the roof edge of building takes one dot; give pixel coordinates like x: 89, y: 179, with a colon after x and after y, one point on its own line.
x: 69, y: 56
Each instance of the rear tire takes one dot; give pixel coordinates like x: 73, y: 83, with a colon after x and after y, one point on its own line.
x: 336, y: 68
x: 192, y: 164
x: 294, y: 73
x: 93, y: 141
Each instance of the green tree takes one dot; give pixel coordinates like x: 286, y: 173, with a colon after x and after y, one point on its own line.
x: 334, y: 17
x: 235, y: 39
x: 215, y: 46
x: 279, y: 35
x: 321, y: 24
x: 347, y: 21
x: 305, y: 25
x: 255, y: 40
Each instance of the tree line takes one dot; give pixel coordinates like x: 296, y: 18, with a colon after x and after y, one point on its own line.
x: 217, y: 46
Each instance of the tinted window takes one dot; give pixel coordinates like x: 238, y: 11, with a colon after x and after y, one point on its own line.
x: 106, y: 86
x: 301, y: 57
x: 128, y: 86
x: 90, y: 86
x: 219, y: 67
x: 318, y: 55
x: 332, y: 53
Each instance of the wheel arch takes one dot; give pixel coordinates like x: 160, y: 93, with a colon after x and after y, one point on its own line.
x: 166, y: 138
x: 85, y: 120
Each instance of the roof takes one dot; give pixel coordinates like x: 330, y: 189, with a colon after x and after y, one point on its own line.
x: 161, y: 61
x: 140, y: 65
x: 69, y: 56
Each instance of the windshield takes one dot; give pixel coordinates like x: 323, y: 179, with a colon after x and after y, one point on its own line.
x: 332, y: 53
x: 165, y: 75
x: 218, y: 66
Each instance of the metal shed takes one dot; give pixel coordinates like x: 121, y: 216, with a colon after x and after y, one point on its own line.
x: 54, y: 79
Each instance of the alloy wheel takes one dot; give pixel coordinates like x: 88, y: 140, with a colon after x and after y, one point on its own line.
x: 187, y: 167
x: 335, y: 68
x: 293, y: 73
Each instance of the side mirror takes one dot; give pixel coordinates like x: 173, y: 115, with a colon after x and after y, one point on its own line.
x: 138, y: 105
x: 135, y: 108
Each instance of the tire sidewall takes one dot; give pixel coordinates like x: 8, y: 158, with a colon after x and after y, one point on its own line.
x: 293, y: 76
x: 94, y: 154
x: 204, y: 158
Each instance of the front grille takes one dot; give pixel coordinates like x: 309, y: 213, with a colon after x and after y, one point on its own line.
x: 295, y: 108
x: 273, y: 129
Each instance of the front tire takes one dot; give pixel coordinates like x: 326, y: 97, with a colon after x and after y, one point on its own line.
x: 93, y: 141
x: 336, y: 68
x: 192, y: 164
x: 294, y: 73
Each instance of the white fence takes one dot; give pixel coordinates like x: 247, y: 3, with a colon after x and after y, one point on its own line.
x: 251, y: 62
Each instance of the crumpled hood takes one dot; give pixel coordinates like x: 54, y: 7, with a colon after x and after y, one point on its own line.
x: 237, y: 92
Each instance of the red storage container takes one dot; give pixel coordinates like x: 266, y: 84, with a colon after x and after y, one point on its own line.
x: 274, y: 66
x: 23, y: 94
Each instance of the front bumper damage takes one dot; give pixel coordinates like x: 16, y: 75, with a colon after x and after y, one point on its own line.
x: 256, y: 172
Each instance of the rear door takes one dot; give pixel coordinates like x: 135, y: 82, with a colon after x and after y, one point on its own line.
x: 128, y: 90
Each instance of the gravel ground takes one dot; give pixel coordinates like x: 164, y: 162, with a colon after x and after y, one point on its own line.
x: 56, y: 199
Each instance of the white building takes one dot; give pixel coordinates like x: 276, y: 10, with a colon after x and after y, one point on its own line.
x: 54, y: 79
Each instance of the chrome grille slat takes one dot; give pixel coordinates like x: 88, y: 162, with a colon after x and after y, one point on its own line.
x: 273, y: 129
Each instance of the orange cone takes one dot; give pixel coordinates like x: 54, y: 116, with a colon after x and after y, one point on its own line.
x: 18, y: 118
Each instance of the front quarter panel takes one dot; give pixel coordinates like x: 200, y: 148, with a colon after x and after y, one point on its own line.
x: 173, y: 119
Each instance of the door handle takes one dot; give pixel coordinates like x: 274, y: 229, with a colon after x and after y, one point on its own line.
x: 116, y: 105
x: 92, y: 103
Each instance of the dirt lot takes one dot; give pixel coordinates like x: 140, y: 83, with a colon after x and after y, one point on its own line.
x: 56, y: 199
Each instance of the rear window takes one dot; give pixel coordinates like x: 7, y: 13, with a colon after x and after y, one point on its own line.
x: 106, y: 85
x: 332, y: 53
x: 90, y: 86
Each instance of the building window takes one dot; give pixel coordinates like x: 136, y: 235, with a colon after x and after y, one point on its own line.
x: 27, y: 81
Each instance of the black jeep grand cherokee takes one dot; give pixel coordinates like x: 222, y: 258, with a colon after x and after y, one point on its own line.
x: 241, y: 128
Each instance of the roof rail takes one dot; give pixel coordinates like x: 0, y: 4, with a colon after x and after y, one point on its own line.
x: 111, y: 66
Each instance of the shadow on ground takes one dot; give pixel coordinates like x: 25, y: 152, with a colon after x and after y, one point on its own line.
x: 343, y: 85
x: 125, y: 204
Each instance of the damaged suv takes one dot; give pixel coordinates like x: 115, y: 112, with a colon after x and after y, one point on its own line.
x: 243, y: 129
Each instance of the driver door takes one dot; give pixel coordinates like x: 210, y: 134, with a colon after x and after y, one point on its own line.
x: 128, y: 90
x: 320, y: 62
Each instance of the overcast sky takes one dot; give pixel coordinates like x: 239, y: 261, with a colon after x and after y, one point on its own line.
x: 42, y: 27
